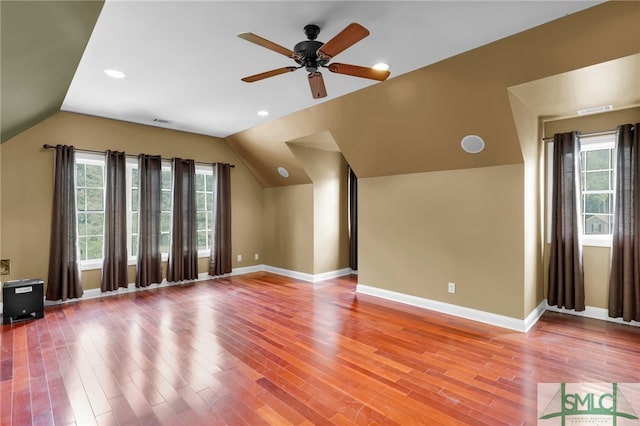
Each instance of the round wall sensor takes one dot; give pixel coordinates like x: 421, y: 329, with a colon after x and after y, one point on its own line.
x: 283, y: 172
x: 473, y: 144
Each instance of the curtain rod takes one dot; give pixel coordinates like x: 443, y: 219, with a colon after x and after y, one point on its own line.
x: 600, y: 133
x: 47, y: 146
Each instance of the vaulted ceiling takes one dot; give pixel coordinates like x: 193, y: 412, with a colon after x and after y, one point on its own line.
x: 452, y: 65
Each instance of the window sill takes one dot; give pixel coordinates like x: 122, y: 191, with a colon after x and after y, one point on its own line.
x: 592, y: 241
x: 97, y: 264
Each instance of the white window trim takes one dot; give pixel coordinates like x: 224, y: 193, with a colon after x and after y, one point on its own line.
x: 96, y: 160
x: 204, y: 170
x: 587, y: 143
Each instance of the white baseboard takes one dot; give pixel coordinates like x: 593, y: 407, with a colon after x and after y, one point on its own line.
x: 534, y: 316
x: 307, y: 277
x: 455, y: 310
x: 592, y: 312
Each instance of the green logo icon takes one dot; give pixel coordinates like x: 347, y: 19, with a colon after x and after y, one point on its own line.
x: 612, y: 404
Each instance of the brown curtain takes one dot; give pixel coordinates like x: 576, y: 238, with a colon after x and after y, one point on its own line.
x: 624, y: 280
x: 114, y: 263
x: 566, y: 281
x: 353, y: 220
x: 183, y: 252
x: 64, y: 277
x: 149, y: 262
x: 220, y: 258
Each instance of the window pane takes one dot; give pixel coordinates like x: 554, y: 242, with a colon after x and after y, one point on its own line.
x: 94, y: 247
x: 202, y: 239
x: 597, y: 160
x: 81, y: 198
x: 134, y: 200
x: 597, y: 181
x: 134, y: 245
x: 209, y: 181
x: 94, y: 199
x: 80, y: 176
x: 82, y: 245
x: 598, y: 224
x: 166, y: 179
x: 134, y: 223
x: 134, y: 177
x: 164, y: 243
x: 94, y: 175
x: 94, y: 224
x: 200, y: 205
x: 82, y: 224
x: 199, y: 182
x: 165, y: 222
x: 166, y: 201
x: 597, y: 203
x: 209, y: 220
x: 201, y: 221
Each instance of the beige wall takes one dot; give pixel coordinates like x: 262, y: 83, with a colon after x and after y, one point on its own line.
x: 418, y: 232
x: 531, y: 145
x: 595, y: 259
x: 329, y: 172
x: 288, y: 228
x: 27, y: 182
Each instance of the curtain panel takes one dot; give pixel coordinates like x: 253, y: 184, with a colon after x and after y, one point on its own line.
x: 566, y: 279
x: 115, y: 257
x: 63, y: 280
x: 353, y: 220
x: 220, y: 256
x: 149, y: 262
x: 624, y: 279
x: 183, y: 251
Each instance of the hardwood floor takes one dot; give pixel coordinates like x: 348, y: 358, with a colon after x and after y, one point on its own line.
x: 264, y: 349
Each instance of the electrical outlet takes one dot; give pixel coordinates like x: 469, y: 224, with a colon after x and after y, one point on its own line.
x: 239, y: 258
x: 257, y: 256
x: 5, y: 266
x: 452, y: 287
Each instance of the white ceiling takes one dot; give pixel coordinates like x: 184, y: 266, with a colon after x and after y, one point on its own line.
x: 183, y: 61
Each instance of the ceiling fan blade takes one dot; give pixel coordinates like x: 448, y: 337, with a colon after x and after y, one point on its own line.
x: 316, y: 82
x: 268, y: 44
x: 358, y: 71
x: 352, y: 34
x: 268, y: 74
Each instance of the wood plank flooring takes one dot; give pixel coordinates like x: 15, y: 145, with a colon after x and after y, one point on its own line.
x: 264, y: 349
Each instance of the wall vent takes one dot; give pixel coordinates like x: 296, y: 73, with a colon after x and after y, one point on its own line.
x: 593, y: 110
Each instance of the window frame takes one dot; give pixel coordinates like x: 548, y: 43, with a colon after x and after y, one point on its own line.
x: 95, y: 160
x: 206, y: 170
x: 587, y: 143
x: 131, y: 164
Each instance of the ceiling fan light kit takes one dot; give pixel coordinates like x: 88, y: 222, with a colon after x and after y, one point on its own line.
x: 312, y: 55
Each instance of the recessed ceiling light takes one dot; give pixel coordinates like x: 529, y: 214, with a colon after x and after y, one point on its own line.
x: 472, y: 144
x: 114, y: 73
x: 283, y: 172
x: 263, y: 113
x: 381, y: 66
x: 593, y: 110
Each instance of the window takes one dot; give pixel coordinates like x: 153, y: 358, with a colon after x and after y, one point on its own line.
x: 90, y: 192
x: 165, y: 210
x: 204, y: 208
x: 597, y: 177
x: 90, y: 207
x: 597, y: 180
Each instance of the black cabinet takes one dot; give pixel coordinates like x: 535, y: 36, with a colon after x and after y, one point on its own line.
x: 22, y: 299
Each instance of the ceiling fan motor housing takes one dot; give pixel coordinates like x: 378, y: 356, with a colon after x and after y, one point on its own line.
x: 308, y: 57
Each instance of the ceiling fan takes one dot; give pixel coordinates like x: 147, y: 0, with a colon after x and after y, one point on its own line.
x: 312, y: 55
